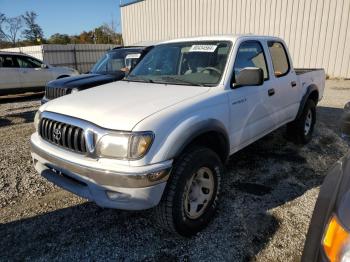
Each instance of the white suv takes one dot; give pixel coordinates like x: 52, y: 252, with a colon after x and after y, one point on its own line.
x: 23, y: 73
x: 161, y: 136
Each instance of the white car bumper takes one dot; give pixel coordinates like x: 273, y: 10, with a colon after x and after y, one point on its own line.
x: 134, y: 190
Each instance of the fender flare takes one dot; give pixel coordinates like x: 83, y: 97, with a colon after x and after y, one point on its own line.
x: 198, y: 129
x: 309, y: 90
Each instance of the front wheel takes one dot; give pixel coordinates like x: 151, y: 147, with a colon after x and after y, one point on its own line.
x: 301, y: 129
x: 191, y: 196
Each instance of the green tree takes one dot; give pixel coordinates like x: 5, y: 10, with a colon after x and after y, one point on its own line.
x: 85, y: 38
x: 59, y: 39
x: 33, y: 31
x: 105, y: 34
x: 10, y: 28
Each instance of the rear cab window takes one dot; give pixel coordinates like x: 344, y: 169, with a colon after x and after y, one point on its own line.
x: 279, y: 57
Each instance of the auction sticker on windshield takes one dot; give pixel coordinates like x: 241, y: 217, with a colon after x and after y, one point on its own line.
x: 203, y: 48
x: 133, y: 56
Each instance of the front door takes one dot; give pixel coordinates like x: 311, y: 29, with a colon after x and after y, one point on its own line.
x: 250, y: 107
x: 32, y: 73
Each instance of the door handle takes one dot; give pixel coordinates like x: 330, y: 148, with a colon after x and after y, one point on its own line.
x: 293, y: 83
x: 271, y: 92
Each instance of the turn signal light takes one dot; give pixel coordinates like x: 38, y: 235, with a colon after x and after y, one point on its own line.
x: 335, y: 241
x: 157, y: 175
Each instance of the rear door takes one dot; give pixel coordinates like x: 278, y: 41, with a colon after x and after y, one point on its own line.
x: 286, y: 93
x: 250, y: 107
x: 31, y: 72
x: 9, y: 73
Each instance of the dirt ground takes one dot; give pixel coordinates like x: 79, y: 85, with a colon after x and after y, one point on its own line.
x: 269, y: 191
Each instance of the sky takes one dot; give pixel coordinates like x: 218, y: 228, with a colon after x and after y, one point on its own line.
x: 66, y: 16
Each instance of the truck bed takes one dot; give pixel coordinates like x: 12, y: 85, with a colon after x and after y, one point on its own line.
x: 312, y: 76
x: 300, y: 71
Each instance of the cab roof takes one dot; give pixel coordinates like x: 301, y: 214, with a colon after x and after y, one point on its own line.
x: 12, y: 53
x: 231, y: 38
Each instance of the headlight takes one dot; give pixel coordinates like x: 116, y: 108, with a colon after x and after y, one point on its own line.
x: 125, y: 146
x: 336, y: 241
x: 74, y: 90
x: 37, y: 120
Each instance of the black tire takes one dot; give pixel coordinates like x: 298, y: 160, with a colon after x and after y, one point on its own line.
x: 296, y: 130
x: 170, y: 214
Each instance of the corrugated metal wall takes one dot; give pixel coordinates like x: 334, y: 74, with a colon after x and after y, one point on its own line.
x: 80, y: 56
x: 35, y: 50
x: 316, y: 31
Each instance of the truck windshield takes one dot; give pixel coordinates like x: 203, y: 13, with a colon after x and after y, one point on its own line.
x: 119, y: 60
x: 186, y: 63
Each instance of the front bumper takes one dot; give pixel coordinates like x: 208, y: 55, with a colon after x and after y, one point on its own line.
x: 133, y: 190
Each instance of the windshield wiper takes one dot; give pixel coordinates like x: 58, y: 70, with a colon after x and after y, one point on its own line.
x: 138, y: 79
x: 176, y: 80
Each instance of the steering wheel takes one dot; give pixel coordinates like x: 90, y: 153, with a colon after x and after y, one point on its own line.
x: 210, y: 68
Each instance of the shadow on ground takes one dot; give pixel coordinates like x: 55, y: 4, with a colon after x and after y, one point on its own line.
x: 22, y: 117
x: 20, y: 97
x: 330, y: 117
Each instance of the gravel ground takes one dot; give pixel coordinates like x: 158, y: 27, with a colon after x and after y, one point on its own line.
x: 269, y: 192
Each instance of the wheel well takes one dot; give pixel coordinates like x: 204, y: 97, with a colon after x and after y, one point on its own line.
x: 213, y: 140
x: 62, y: 76
x: 314, y: 96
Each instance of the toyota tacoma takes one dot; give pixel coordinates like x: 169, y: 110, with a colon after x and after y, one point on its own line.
x: 160, y: 138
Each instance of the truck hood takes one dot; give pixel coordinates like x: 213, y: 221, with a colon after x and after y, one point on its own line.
x: 121, y: 105
x: 85, y: 81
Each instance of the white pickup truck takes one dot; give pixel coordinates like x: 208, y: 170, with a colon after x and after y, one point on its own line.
x: 160, y: 137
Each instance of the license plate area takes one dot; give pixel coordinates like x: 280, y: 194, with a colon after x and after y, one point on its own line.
x: 60, y: 173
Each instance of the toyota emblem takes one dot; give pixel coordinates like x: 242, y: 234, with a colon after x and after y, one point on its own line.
x: 57, y: 134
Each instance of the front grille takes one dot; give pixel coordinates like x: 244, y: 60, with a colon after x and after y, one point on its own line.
x: 54, y: 92
x: 62, y: 134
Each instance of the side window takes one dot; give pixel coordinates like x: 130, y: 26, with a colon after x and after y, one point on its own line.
x: 34, y: 62
x: 27, y: 62
x: 1, y: 61
x: 279, y: 59
x: 9, y: 61
x: 250, y: 54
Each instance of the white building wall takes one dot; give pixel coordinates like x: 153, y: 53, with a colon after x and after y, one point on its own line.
x: 316, y: 31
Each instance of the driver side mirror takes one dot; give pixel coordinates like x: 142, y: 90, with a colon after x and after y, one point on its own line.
x: 250, y: 76
x: 44, y: 66
x: 345, y: 123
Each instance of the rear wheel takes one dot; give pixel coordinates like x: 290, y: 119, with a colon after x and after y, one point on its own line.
x: 301, y: 129
x: 191, y: 196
